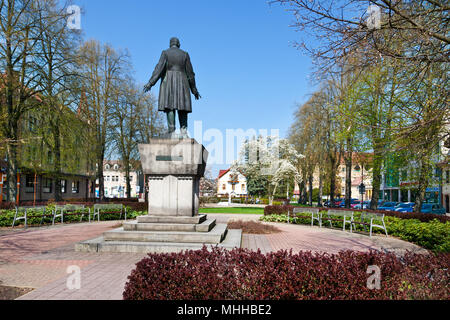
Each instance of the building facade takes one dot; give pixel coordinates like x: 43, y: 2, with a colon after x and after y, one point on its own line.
x: 231, y: 183
x: 37, y: 173
x: 115, y: 182
x: 360, y: 173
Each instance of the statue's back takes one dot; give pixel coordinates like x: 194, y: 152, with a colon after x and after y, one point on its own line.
x: 176, y: 60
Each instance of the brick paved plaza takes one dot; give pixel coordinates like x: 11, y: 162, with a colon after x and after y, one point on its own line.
x: 38, y: 258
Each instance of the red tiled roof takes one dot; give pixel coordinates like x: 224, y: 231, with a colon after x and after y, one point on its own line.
x: 222, y: 173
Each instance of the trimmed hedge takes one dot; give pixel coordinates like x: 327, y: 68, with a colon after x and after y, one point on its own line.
x: 433, y: 235
x: 7, y: 217
x: 242, y: 274
x: 283, y: 209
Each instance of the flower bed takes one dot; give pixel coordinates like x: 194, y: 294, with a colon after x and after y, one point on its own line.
x: 253, y: 227
x: 247, y: 275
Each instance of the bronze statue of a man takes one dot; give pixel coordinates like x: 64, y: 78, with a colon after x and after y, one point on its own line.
x: 177, y: 82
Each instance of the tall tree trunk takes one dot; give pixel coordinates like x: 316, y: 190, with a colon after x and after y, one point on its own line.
x: 332, y: 179
x: 376, y: 179
x: 319, y: 201
x: 57, y: 165
x: 348, y: 181
x: 310, y: 181
x: 11, y: 173
x: 101, y: 182
x: 425, y: 173
x: 127, y: 177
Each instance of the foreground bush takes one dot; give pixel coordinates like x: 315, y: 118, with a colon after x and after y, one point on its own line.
x: 433, y: 235
x: 247, y: 275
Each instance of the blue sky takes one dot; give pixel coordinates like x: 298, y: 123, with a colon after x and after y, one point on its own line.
x: 247, y: 70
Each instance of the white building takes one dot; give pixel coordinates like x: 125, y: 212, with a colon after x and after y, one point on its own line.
x: 115, y: 180
x: 230, y: 182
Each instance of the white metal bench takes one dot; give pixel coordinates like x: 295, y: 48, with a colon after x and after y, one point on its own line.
x: 368, y: 219
x: 315, y: 214
x: 109, y: 207
x: 66, y: 209
x: 26, y: 216
x: 347, y: 217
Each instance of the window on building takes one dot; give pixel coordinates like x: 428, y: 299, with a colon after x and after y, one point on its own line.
x: 75, y: 186
x: 107, y: 167
x: 32, y: 124
x: 107, y: 178
x: 116, y: 167
x: 47, y: 185
x: 447, y: 179
x: 404, y: 175
x: 243, y: 187
x: 29, y: 184
x: 224, y: 187
x: 63, y: 186
x: 50, y: 157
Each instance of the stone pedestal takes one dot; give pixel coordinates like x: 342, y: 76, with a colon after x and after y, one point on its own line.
x: 173, y: 168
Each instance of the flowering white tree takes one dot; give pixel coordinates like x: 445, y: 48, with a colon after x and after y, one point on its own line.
x: 269, y: 159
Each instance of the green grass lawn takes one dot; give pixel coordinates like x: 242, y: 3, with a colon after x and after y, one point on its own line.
x: 233, y: 210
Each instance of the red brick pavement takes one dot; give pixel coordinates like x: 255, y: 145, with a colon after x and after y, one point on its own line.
x: 17, y: 245
x: 38, y: 258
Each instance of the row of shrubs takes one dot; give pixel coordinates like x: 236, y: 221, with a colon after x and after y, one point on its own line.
x: 243, y: 274
x: 433, y: 235
x: 423, y: 217
x: 132, y: 204
x: 7, y: 217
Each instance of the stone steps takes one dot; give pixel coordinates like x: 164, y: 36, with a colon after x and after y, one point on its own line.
x: 171, y: 219
x: 205, y: 226
x: 215, y: 236
x: 233, y: 240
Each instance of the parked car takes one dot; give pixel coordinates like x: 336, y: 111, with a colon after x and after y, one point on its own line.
x: 353, y: 202
x: 433, y: 208
x: 337, y: 202
x: 365, y: 205
x: 388, y: 206
x: 405, y: 207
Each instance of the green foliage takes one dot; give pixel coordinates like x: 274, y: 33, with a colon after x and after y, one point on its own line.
x: 432, y: 235
x: 257, y: 185
x: 7, y: 217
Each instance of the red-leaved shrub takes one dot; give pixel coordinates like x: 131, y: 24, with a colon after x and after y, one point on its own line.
x: 242, y: 274
x: 270, y: 210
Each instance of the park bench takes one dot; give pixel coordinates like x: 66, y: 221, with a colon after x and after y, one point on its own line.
x: 315, y: 214
x: 109, y: 208
x: 28, y: 213
x: 346, y: 217
x: 368, y: 219
x: 69, y: 210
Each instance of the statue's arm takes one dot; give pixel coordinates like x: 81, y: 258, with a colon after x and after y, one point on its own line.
x: 158, y: 72
x: 191, y: 77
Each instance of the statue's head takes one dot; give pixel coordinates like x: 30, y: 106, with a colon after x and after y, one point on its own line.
x: 174, y: 42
